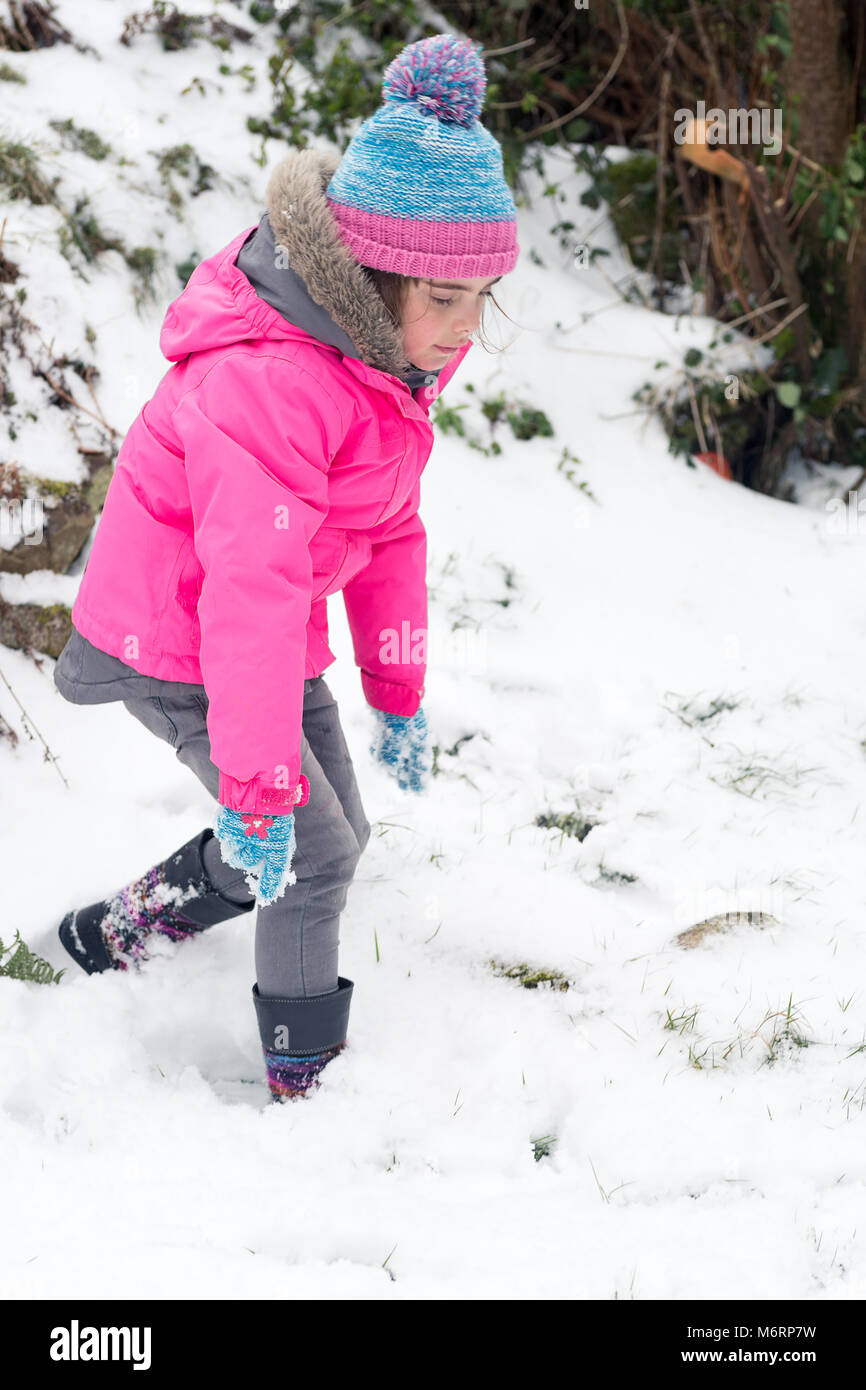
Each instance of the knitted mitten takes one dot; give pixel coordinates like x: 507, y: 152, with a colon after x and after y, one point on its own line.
x: 262, y: 844
x: 400, y: 745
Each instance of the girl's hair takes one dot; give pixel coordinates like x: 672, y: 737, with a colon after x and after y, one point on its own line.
x: 394, y: 288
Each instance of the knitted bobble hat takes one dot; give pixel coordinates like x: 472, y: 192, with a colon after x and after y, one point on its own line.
x: 420, y: 189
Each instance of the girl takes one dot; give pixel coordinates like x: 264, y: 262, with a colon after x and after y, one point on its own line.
x: 278, y: 462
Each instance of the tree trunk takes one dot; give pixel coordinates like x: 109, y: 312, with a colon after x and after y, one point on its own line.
x: 818, y: 75
x: 821, y: 81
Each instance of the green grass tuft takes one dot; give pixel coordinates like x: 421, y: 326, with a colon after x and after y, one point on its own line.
x: 571, y: 823
x: 542, y: 1146
x: 530, y: 977
x: 21, y: 176
x: 80, y: 138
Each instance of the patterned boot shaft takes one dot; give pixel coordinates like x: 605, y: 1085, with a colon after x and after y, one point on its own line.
x: 150, y: 904
x: 292, y: 1078
x: 176, y: 899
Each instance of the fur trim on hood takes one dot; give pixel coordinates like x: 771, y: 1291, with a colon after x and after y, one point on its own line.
x: 303, y: 224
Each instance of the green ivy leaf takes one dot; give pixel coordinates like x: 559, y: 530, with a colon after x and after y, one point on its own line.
x: 829, y: 368
x: 789, y: 393
x: 577, y: 130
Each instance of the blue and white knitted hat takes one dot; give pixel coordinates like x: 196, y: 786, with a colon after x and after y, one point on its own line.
x: 420, y: 189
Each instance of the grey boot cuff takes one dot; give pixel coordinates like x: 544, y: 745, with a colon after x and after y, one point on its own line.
x: 307, y: 1025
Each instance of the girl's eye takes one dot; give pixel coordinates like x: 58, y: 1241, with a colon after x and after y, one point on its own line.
x: 485, y: 294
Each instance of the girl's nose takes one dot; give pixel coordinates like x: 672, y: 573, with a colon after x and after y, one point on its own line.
x: 467, y: 325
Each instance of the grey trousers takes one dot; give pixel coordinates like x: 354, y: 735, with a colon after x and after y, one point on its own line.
x: 297, y: 937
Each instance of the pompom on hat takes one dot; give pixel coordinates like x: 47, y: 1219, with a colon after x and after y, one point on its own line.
x: 420, y: 189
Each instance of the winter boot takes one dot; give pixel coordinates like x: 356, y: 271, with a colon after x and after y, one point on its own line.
x: 175, y: 899
x: 300, y: 1036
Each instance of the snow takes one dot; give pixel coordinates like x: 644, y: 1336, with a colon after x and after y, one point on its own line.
x: 681, y: 659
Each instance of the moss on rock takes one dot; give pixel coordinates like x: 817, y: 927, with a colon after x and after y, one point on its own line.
x: 45, y: 629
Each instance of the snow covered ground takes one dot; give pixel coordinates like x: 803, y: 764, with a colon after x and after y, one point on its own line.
x: 681, y: 661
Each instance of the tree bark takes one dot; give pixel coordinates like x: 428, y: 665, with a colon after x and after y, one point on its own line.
x: 822, y: 75
x: 818, y: 74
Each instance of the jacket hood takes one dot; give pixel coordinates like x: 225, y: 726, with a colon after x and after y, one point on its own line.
x: 297, y: 263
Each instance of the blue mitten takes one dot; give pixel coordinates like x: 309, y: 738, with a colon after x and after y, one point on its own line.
x: 400, y: 745
x: 262, y: 844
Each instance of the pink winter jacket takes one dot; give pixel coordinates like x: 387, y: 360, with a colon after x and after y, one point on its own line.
x: 269, y: 470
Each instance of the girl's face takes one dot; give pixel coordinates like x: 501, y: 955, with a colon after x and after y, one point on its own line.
x: 439, y: 316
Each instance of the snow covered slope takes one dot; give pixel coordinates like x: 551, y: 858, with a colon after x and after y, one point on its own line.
x: 681, y: 661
